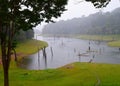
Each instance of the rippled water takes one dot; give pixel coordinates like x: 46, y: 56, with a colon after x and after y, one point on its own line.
x: 62, y: 51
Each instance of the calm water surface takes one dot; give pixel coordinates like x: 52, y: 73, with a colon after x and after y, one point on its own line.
x: 62, y: 51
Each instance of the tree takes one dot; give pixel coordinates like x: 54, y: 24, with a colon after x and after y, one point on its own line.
x: 99, y: 3
x: 16, y: 15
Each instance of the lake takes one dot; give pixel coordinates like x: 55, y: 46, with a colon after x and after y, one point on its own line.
x: 62, y: 51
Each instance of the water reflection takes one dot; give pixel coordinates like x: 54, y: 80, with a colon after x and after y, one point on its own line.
x: 63, y: 51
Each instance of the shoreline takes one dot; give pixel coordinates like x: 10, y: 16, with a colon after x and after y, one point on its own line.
x: 27, y: 48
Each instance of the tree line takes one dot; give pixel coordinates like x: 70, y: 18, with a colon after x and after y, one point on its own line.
x: 98, y: 23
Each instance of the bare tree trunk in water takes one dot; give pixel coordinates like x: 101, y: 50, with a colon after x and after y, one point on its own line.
x: 51, y: 51
x: 38, y: 58
x: 45, y: 56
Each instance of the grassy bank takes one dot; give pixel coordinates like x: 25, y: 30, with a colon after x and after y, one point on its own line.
x: 99, y: 37
x: 113, y: 40
x: 76, y: 74
x: 29, y: 47
x: 114, y: 44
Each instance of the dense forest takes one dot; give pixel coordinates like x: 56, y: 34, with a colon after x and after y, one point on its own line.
x: 98, y: 23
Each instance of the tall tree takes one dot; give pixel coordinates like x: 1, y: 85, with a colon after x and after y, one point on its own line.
x: 18, y: 15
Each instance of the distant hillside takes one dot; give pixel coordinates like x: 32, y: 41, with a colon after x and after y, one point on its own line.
x: 98, y: 23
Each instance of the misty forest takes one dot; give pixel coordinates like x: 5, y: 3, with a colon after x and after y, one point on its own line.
x: 39, y: 49
x: 107, y: 23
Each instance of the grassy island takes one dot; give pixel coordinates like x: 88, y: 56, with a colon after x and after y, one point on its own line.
x: 112, y: 40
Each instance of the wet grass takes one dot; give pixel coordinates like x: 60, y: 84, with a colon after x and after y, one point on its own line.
x: 76, y: 74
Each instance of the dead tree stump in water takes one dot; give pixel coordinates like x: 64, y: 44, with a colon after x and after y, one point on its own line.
x: 38, y: 59
x: 45, y: 56
x: 51, y: 51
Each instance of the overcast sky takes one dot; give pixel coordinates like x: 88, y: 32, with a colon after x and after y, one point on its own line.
x: 77, y: 9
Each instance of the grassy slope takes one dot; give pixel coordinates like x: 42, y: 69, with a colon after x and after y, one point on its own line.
x: 76, y: 74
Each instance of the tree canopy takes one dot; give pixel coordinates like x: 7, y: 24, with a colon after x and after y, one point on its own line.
x: 16, y: 15
x: 99, y: 3
x: 28, y: 13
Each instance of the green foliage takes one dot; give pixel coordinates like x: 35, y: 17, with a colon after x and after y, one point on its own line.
x: 24, y: 35
x: 29, y: 13
x: 99, y: 3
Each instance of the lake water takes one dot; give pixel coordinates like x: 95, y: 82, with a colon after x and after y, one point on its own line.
x: 62, y: 51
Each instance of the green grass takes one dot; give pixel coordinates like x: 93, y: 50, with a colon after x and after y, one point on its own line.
x: 30, y: 46
x: 114, y: 44
x: 76, y: 74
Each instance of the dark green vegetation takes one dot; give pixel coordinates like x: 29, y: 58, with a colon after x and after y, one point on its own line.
x: 24, y: 35
x: 95, y: 24
x: 76, y: 74
x: 99, y: 3
x: 18, y: 15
